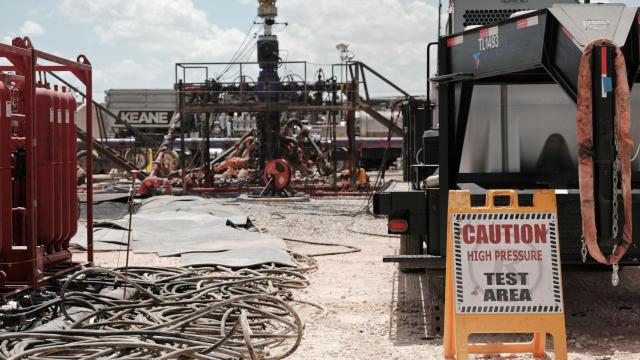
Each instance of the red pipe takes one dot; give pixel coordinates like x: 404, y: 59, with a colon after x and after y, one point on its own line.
x: 29, y: 93
x: 57, y: 179
x: 89, y: 119
x: 45, y: 151
x: 63, y: 148
x: 56, y: 257
x: 72, y: 170
x: 6, y: 221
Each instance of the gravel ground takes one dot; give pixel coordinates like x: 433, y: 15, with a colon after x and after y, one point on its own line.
x: 375, y: 311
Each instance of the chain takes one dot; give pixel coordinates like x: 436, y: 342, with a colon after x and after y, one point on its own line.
x: 584, y: 251
x: 614, y: 226
x: 615, y: 279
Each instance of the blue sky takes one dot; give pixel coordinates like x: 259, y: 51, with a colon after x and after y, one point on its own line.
x: 135, y: 43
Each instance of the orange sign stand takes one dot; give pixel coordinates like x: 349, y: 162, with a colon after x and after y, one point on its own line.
x: 516, y: 247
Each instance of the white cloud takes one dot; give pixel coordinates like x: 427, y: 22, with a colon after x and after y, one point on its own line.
x: 130, y: 72
x: 31, y: 28
x: 389, y: 35
x: 41, y: 12
x: 170, y: 27
x: 153, y: 35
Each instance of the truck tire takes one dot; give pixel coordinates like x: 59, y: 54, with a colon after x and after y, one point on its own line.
x: 410, y: 245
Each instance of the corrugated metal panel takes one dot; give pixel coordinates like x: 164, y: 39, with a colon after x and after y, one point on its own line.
x: 483, y: 12
x: 140, y: 99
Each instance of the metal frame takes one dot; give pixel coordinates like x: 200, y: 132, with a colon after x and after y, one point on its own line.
x: 265, y: 97
x: 541, y: 54
x: 24, y: 62
x: 547, y: 61
x: 355, y: 104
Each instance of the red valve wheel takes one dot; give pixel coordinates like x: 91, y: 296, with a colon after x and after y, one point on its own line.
x: 280, y: 171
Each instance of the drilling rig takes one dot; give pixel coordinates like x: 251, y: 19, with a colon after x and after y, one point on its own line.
x: 268, y: 84
x: 297, y: 108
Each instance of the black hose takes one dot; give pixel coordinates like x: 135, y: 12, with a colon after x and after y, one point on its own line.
x: 197, y: 313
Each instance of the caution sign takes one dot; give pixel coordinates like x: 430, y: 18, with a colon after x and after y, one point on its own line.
x: 503, y: 275
x: 506, y: 262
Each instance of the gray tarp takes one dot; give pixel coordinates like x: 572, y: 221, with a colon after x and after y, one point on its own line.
x: 212, y: 230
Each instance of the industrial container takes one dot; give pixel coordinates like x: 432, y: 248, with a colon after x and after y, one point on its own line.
x: 63, y: 148
x: 5, y: 168
x: 71, y: 169
x: 45, y: 151
x: 57, y: 167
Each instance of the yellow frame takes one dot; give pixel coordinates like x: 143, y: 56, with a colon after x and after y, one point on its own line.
x: 458, y: 327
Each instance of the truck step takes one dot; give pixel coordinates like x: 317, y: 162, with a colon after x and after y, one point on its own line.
x: 416, y: 261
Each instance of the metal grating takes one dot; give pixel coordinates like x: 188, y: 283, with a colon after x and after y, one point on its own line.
x: 487, y: 16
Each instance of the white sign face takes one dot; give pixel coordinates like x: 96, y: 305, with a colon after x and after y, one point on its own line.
x: 506, y: 263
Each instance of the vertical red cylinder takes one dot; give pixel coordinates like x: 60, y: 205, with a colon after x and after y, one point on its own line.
x: 57, y: 166
x: 6, y: 237
x: 19, y: 183
x: 44, y: 126
x: 73, y: 170
x: 64, y: 154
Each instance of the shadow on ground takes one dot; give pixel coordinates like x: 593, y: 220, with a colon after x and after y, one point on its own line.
x: 601, y: 319
x: 416, y: 314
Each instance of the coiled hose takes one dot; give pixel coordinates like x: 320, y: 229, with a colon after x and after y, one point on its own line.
x: 168, y: 313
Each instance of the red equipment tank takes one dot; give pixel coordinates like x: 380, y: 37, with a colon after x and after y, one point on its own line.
x: 18, y: 171
x: 73, y: 170
x: 38, y: 192
x: 45, y: 163
x: 64, y: 164
x: 5, y: 170
x: 57, y: 166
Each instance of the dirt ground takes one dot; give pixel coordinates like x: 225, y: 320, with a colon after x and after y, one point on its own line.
x: 375, y: 312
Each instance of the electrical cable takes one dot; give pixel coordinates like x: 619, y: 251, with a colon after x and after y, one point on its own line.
x: 235, y: 63
x: 350, y: 229
x: 352, y: 249
x: 209, y: 312
x: 253, y: 24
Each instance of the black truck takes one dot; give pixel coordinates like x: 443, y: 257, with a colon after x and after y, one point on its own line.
x: 502, y: 115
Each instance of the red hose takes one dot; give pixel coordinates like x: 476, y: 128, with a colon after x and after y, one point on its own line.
x: 585, y: 151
